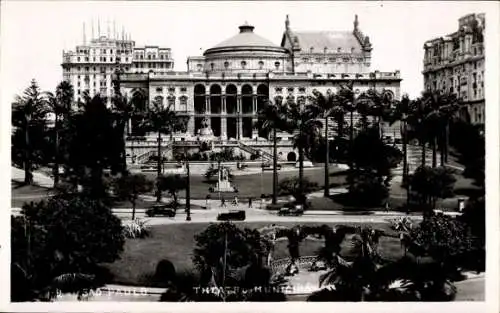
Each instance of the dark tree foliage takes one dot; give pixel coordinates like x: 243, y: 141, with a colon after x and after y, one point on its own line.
x: 442, y: 237
x: 60, y: 243
x: 366, y: 188
x: 470, y: 146
x: 29, y: 141
x: 90, y: 151
x: 371, y: 153
x: 173, y: 184
x: 130, y: 187
x: 432, y: 184
x: 291, y: 186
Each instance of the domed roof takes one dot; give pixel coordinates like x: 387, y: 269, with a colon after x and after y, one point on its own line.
x: 245, y: 39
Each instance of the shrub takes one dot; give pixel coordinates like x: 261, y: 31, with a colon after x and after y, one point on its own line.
x: 68, y: 234
x: 136, y: 228
x: 366, y: 188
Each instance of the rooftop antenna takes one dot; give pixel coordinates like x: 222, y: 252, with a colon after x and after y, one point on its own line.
x: 109, y: 32
x: 84, y: 37
x: 92, y: 22
x: 99, y: 27
x: 356, y: 23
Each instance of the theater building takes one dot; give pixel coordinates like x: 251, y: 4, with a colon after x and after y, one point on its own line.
x: 226, y: 87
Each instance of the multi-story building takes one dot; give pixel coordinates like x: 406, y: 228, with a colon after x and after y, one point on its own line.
x: 225, y: 88
x: 455, y: 64
x: 91, y: 66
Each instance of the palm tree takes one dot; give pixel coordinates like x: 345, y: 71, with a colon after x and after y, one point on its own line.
x: 329, y: 106
x: 28, y: 111
x: 442, y: 109
x: 272, y: 119
x: 162, y: 120
x: 417, y: 121
x: 123, y: 110
x: 60, y: 105
x: 302, y: 119
x: 400, y: 113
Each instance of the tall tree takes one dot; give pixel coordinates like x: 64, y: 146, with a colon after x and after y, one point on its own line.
x: 129, y: 187
x: 163, y: 120
x: 122, y: 110
x: 60, y: 106
x: 329, y: 106
x: 28, y: 116
x: 91, y: 152
x: 301, y: 120
x: 442, y: 110
x: 273, y: 119
x: 400, y: 113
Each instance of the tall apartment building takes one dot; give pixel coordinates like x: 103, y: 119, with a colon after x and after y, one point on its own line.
x: 455, y: 64
x: 91, y: 65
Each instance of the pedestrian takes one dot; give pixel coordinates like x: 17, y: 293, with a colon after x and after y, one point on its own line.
x: 222, y: 202
x: 387, y: 206
x: 262, y: 198
x: 235, y: 201
x: 250, y: 202
x: 208, y: 204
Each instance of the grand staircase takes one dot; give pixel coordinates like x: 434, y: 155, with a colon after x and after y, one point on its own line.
x: 414, y: 159
x: 251, y: 150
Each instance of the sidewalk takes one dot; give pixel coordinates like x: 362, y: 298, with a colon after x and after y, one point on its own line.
x: 39, y: 179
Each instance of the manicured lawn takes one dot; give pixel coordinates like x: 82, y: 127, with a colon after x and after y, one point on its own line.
x: 176, y: 243
x: 254, y: 185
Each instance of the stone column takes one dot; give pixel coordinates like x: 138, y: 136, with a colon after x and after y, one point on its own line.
x: 190, y: 125
x: 255, y: 132
x: 207, y: 110
x: 223, y: 119
x: 239, y: 128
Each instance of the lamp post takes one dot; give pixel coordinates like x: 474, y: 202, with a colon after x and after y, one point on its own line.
x: 188, y: 191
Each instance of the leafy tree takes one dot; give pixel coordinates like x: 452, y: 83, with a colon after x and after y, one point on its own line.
x: 60, y: 243
x: 60, y: 106
x: 163, y: 120
x: 291, y: 186
x: 445, y: 239
x: 90, y: 151
x: 223, y: 250
x: 469, y: 143
x: 28, y: 118
x: 366, y: 188
x: 173, y: 184
x: 432, y: 184
x: 129, y: 187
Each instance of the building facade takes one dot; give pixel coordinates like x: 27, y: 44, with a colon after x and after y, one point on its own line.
x: 455, y: 64
x: 90, y: 67
x: 228, y: 85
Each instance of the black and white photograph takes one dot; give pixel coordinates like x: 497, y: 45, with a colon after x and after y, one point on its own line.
x: 174, y: 153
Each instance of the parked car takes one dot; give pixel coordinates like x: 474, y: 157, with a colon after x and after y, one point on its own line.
x: 161, y: 210
x: 232, y: 215
x: 291, y: 209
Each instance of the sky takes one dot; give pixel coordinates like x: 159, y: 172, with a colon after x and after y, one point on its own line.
x: 34, y: 34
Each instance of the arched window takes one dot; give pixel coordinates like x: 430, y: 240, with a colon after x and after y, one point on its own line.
x: 171, y: 102
x: 226, y: 64
x: 243, y: 64
x: 159, y: 100
x: 278, y: 100
x: 183, y: 103
x: 277, y: 64
x: 261, y: 65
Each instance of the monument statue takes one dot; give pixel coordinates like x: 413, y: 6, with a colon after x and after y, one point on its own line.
x: 205, y: 131
x: 223, y: 183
